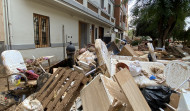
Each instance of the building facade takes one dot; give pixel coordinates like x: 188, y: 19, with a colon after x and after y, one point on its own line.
x: 45, y: 27
x: 121, y: 21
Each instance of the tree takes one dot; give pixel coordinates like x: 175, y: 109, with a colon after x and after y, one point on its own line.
x: 158, y: 18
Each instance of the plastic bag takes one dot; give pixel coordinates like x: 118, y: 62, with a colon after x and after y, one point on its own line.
x: 157, y: 96
x: 135, y: 68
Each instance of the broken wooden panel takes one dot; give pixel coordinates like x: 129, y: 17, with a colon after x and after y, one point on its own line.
x: 59, y: 91
x: 103, y: 55
x: 99, y: 95
x: 128, y: 51
x: 131, y: 91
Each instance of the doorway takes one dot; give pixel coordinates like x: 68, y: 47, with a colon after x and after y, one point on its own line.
x: 83, y: 39
x: 101, y: 33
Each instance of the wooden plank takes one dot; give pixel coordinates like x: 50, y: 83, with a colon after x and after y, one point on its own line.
x: 128, y: 51
x: 52, y: 85
x: 131, y: 91
x: 65, y: 76
x: 61, y: 105
x: 61, y: 93
x: 2, y: 30
x: 47, y: 83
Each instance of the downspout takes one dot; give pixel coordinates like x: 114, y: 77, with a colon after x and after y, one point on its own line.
x: 8, y: 25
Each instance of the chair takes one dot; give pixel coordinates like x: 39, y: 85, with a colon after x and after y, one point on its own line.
x: 12, y: 60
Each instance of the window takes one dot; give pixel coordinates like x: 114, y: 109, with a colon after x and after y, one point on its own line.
x: 102, y: 4
x: 41, y: 31
x: 109, y: 8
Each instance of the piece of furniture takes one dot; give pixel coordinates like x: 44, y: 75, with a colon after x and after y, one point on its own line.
x: 12, y: 59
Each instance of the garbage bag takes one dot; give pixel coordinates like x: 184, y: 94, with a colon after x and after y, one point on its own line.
x: 157, y: 96
x: 135, y: 68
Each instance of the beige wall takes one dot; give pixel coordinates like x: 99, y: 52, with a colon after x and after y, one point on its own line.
x: 2, y: 33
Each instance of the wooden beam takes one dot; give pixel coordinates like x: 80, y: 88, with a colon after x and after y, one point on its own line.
x: 131, y: 91
x: 2, y: 30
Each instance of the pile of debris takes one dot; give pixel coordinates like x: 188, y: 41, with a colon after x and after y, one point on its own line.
x: 105, y: 78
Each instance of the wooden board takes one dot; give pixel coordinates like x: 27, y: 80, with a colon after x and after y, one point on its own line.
x: 100, y: 93
x: 128, y: 51
x: 59, y: 92
x: 103, y: 55
x: 131, y: 91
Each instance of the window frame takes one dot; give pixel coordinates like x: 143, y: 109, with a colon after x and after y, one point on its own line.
x: 109, y: 8
x: 40, y: 34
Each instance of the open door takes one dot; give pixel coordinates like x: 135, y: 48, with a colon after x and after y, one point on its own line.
x: 83, y: 40
x: 101, y: 33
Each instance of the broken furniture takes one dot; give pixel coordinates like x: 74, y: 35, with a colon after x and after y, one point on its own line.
x: 61, y: 89
x: 12, y: 60
x: 103, y: 94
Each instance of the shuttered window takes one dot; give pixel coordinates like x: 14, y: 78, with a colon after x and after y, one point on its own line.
x: 41, y: 31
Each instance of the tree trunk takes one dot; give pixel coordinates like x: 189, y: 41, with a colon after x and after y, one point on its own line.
x: 167, y: 31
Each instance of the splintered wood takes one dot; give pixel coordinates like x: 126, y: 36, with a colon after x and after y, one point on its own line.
x: 131, y: 90
x: 61, y: 89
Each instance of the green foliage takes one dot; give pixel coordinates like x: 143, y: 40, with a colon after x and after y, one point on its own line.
x: 158, y: 18
x: 135, y: 43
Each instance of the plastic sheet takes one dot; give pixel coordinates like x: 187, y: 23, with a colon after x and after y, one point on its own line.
x: 157, y: 96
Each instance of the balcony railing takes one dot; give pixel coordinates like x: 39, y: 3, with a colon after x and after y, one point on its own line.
x: 80, y: 1
x: 105, y: 15
x: 92, y: 7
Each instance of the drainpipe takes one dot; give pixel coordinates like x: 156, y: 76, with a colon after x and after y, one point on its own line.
x: 8, y: 24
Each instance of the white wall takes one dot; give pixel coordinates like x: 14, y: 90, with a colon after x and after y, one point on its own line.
x: 21, y: 13
x: 23, y: 31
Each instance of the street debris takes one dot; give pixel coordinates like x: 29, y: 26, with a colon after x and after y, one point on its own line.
x: 98, y: 77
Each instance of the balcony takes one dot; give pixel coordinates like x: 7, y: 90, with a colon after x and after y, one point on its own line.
x: 103, y: 14
x: 86, y: 8
x: 92, y: 7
